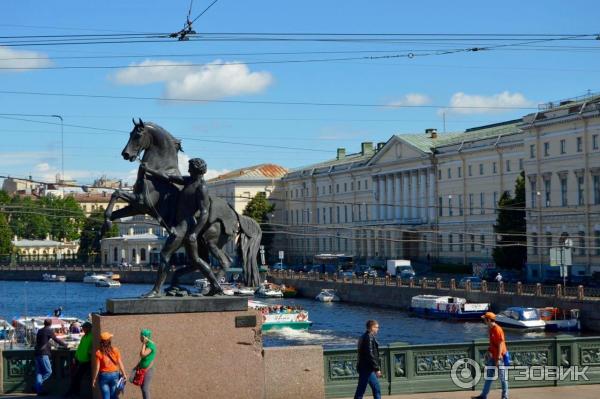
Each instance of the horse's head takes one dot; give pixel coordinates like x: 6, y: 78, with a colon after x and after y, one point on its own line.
x: 139, y: 140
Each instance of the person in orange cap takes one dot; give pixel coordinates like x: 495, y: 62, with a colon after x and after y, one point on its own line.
x: 109, y: 367
x: 495, y: 357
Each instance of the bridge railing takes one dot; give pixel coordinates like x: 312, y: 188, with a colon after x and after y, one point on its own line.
x: 580, y: 292
x: 427, y: 368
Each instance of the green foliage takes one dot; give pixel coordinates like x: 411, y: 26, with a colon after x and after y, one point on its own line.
x: 5, y: 236
x: 259, y: 209
x: 511, y: 251
x: 89, y: 243
x: 28, y: 218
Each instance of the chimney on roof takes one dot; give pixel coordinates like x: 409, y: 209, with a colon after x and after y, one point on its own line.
x: 432, y: 133
x: 341, y: 153
x: 366, y: 147
x: 380, y: 146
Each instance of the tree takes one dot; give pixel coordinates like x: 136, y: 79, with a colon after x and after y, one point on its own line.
x: 89, y: 244
x: 66, y: 218
x: 6, y: 236
x: 511, y: 249
x: 28, y: 220
x: 259, y: 209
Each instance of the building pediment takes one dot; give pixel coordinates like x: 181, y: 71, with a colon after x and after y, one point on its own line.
x: 396, y: 149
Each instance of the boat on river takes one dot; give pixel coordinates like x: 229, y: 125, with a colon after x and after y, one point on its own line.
x: 108, y: 283
x: 65, y: 328
x: 327, y: 295
x: 93, y: 278
x: 53, y: 278
x: 520, y: 318
x: 278, y: 316
x: 267, y: 290
x: 447, y: 307
x: 560, y: 320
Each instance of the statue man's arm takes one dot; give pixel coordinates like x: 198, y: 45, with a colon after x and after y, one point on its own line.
x: 202, y: 206
x: 176, y: 179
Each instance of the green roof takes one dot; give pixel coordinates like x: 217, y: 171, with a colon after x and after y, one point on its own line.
x: 350, y: 158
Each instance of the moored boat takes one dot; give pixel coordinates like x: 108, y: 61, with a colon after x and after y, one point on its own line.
x: 289, y: 291
x: 93, y: 278
x: 327, y: 295
x: 447, y: 307
x: 278, y: 316
x: 267, y: 290
x: 521, y: 319
x: 53, y: 278
x: 560, y: 320
x: 108, y: 283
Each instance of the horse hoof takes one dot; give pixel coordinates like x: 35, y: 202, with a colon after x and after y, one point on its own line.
x: 152, y: 294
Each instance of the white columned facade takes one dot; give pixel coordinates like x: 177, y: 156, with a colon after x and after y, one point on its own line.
x: 432, y: 182
x: 390, y: 197
x: 405, y: 208
x: 376, y: 195
x: 398, y: 198
x: 413, y: 192
x: 423, y: 194
x: 381, y: 198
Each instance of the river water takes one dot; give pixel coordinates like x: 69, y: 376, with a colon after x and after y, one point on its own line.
x: 334, y: 324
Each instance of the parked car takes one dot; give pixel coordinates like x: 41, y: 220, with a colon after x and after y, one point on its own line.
x: 475, y: 282
x: 279, y: 266
x: 406, y: 272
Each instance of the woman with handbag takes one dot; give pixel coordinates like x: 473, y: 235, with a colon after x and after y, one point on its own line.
x: 109, y: 368
x: 144, y: 370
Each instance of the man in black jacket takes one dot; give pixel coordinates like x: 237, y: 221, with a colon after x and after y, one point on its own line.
x: 369, y: 369
x: 43, y: 368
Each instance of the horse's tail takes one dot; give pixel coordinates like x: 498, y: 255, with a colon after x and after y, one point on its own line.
x: 250, y: 238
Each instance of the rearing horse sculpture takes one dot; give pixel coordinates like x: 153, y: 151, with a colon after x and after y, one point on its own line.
x: 158, y: 198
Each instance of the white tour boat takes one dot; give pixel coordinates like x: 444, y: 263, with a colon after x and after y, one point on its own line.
x: 327, y: 295
x: 268, y: 291
x: 53, y: 278
x: 108, y: 283
x: 93, y: 278
x: 521, y: 319
x: 277, y: 316
x: 447, y: 307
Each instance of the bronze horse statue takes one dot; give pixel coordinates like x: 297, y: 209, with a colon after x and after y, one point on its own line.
x: 158, y: 198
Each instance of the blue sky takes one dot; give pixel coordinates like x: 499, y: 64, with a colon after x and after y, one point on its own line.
x: 520, y: 77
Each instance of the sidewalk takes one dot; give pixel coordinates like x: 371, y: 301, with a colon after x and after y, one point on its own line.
x: 571, y: 392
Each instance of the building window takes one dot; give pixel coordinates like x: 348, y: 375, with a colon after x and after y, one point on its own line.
x: 441, y: 207
x: 337, y: 188
x: 596, y: 189
x: 579, y: 144
x: 563, y: 191
x: 480, y: 169
x: 460, y: 243
x: 450, y: 211
x: 449, y: 173
x: 563, y: 146
x: 330, y: 215
x: 533, y: 185
x: 330, y: 190
x: 338, y: 220
x: 359, y: 213
x: 595, y: 141
x: 534, y: 243
x: 482, y: 241
x: 470, y: 170
x: 345, y: 187
x: 580, y: 197
x: 115, y: 255
x: 546, y: 149
x: 460, y: 205
x: 597, y: 242
x: 345, y: 214
x: 324, y: 215
x: 472, y: 239
x: 532, y: 151
x: 482, y: 203
x: 494, y: 167
x: 143, y: 254
x: 495, y: 201
x: 548, y: 241
x: 318, y: 215
x: 450, y: 243
x: 133, y: 256
x: 358, y: 185
x: 508, y: 165
x: 582, y: 243
x: 366, y: 186
x: 352, y: 186
x: 547, y: 192
x: 459, y: 171
x: 439, y: 175
x: 470, y: 204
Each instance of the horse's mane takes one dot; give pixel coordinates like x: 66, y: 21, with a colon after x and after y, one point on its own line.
x: 169, y: 136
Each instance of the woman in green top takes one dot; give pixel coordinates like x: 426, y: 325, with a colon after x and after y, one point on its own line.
x: 147, y: 355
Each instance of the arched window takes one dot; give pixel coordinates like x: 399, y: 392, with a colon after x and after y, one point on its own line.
x: 115, y: 254
x: 133, y: 256
x: 143, y: 254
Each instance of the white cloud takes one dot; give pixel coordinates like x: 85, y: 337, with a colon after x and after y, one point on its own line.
x: 22, y: 157
x: 479, y: 104
x: 410, y: 99
x: 210, y: 81
x: 42, y: 167
x: 22, y: 59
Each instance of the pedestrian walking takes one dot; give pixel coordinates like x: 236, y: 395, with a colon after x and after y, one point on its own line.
x: 498, y: 278
x: 369, y: 369
x: 145, y: 367
x: 43, y: 367
x: 82, y: 365
x: 109, y: 367
x: 496, y: 357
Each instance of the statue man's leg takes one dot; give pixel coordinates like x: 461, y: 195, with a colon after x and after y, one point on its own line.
x: 173, y: 243
x: 201, y: 265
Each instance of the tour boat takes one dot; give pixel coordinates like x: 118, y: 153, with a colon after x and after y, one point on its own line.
x: 284, y: 318
x: 268, y: 291
x: 521, y: 318
x: 27, y: 327
x: 289, y: 291
x: 53, y: 278
x: 7, y: 332
x: 557, y: 320
x: 447, y: 307
x: 111, y: 275
x: 108, y: 283
x: 327, y: 295
x: 93, y: 278
x: 244, y: 291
